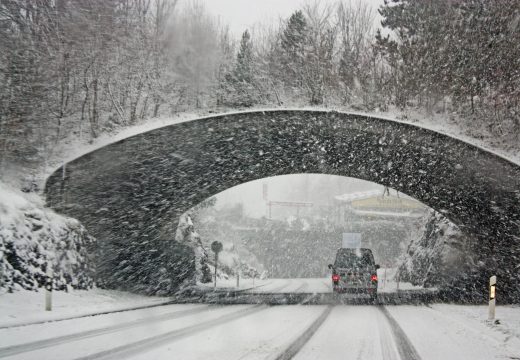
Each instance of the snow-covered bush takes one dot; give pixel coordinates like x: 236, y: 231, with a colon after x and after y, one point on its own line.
x: 199, y: 227
x: 438, y: 256
x: 186, y: 234
x: 31, y: 236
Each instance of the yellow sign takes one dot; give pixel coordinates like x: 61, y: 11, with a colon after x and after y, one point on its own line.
x: 381, y: 202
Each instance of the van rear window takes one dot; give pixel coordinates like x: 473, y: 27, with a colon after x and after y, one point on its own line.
x: 351, y: 259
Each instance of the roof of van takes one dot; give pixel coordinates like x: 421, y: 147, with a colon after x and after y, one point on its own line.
x: 354, y: 249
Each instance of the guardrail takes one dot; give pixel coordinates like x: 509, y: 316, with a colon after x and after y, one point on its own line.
x: 280, y: 298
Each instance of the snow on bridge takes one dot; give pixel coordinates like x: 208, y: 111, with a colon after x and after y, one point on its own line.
x: 129, y: 189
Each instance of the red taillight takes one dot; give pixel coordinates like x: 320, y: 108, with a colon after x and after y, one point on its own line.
x: 373, y: 277
x: 335, y: 277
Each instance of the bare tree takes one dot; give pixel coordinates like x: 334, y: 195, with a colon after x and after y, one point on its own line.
x: 355, y: 23
x: 318, y: 74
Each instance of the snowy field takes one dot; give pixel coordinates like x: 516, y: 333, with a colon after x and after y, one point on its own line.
x: 200, y: 331
x: 22, y: 307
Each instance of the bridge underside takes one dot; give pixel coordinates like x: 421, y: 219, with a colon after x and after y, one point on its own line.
x: 129, y: 190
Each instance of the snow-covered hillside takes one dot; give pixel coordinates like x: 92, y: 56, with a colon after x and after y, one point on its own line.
x: 31, y: 236
x: 438, y: 254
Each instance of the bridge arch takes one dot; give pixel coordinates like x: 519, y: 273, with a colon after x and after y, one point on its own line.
x: 156, y: 176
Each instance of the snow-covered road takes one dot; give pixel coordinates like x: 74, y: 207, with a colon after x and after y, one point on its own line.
x: 197, y: 331
x: 306, y: 285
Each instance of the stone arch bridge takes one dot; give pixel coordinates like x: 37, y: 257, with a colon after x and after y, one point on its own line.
x: 131, y: 188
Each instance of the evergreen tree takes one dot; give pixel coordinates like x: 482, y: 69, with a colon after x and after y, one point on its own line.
x: 292, y: 45
x: 467, y: 51
x: 244, y: 66
x: 242, y: 80
x: 227, y: 54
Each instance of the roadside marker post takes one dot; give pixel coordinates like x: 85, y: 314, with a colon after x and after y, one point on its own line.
x: 48, y: 288
x: 237, y: 271
x: 216, y: 246
x: 492, y: 297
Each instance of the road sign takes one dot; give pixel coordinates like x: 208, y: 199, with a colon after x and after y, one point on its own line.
x: 351, y: 240
x: 216, y: 247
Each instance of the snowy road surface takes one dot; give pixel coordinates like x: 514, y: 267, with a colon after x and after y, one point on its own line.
x: 198, y: 331
x: 306, y: 285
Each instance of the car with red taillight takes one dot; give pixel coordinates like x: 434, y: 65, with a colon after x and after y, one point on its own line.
x: 354, y: 273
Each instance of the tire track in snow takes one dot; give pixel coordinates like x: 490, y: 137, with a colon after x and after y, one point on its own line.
x: 309, y: 298
x: 404, y: 347
x: 123, y: 351
x: 301, y: 340
x: 387, y: 343
x: 45, y: 343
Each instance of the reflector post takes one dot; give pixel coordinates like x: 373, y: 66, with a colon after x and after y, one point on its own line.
x: 492, y: 297
x: 48, y: 287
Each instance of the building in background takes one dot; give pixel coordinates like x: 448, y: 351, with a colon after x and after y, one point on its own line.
x: 386, y: 219
x: 376, y: 205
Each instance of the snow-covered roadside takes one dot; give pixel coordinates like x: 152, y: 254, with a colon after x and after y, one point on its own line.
x: 301, y: 285
x: 25, y: 307
x: 445, y: 331
x: 32, y: 237
x: 507, y: 317
x: 231, y: 284
x: 388, y: 283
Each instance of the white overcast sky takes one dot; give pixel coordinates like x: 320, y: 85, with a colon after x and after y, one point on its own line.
x: 244, y: 14
x: 300, y: 187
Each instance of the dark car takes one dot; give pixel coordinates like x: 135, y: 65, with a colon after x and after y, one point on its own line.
x: 354, y: 272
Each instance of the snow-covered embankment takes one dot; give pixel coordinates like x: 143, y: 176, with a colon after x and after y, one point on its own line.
x: 31, y: 236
